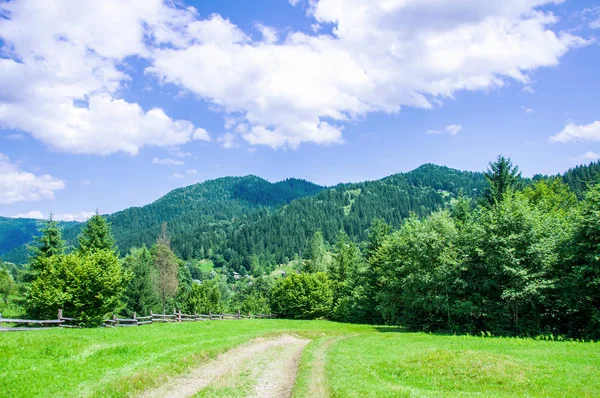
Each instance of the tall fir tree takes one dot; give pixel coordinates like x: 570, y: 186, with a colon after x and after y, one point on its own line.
x: 501, y: 176
x: 96, y: 235
x: 49, y: 243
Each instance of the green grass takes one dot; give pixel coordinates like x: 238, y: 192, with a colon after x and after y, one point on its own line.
x: 121, y: 361
x: 341, y: 361
x: 206, y: 265
x: 414, y: 364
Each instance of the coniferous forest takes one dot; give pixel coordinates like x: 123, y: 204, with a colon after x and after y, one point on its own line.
x: 434, y: 249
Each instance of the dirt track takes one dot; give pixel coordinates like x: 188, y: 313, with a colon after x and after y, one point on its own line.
x: 264, y: 367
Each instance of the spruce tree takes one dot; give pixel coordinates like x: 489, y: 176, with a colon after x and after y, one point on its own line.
x: 48, y: 244
x: 501, y: 176
x: 96, y: 235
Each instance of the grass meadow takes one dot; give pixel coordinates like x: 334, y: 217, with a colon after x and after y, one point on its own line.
x: 341, y: 361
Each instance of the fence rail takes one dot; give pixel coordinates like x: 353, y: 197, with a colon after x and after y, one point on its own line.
x: 177, y: 316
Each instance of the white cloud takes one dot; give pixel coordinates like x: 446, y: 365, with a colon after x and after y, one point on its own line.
x: 381, y: 55
x: 66, y: 69
x: 590, y: 155
x: 170, y: 162
x: 201, y: 134
x: 86, y: 183
x: 177, y: 175
x: 268, y: 33
x: 36, y: 214
x: 191, y: 171
x: 526, y: 110
x: 17, y: 185
x: 452, y: 129
x: 576, y: 132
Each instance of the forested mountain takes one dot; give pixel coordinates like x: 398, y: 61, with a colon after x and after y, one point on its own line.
x: 240, y: 221
x: 16, y: 232
x: 185, y: 209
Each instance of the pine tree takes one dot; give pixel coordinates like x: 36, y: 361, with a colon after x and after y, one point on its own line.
x: 48, y: 244
x: 96, y: 235
x: 501, y: 176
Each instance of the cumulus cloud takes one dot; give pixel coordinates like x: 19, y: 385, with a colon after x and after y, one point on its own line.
x: 177, y: 175
x: 590, y: 155
x: 17, y: 185
x: 452, y: 129
x: 380, y: 56
x: 64, y: 67
x: 191, y: 171
x: 36, y: 214
x: 577, y: 132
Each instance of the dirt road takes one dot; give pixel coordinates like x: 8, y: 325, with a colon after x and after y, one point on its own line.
x: 261, y: 368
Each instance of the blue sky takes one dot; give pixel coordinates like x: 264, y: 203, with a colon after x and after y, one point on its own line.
x: 112, y: 104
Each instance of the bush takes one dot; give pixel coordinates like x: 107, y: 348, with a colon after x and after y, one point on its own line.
x: 303, y: 296
x: 87, y: 286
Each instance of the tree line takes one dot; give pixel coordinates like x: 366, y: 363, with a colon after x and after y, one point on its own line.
x: 511, y: 257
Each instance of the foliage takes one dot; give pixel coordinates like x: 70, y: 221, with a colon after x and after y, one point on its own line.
x: 96, y: 235
x: 167, y: 265
x: 48, y: 244
x: 141, y: 295
x: 502, y: 177
x: 315, y: 254
x: 88, y: 286
x: 7, y: 285
x: 203, y: 298
x: 302, y: 296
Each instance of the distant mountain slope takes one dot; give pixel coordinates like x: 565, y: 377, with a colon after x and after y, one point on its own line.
x: 276, y: 236
x: 16, y: 232
x: 184, y: 209
x: 236, y: 220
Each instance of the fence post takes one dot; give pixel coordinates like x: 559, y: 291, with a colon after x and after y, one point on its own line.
x: 179, y: 315
x: 135, y: 318
x: 239, y: 314
x: 195, y: 316
x: 210, y: 315
x: 1, y: 321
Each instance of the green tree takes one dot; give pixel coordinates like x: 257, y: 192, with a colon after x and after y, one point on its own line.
x: 141, y: 295
x: 344, y: 273
x: 501, y: 176
x: 303, y: 296
x: 96, y: 235
x: 584, y: 279
x: 88, y: 286
x: 315, y: 254
x: 167, y: 264
x: 7, y: 285
x: 203, y: 298
x: 420, y: 269
x: 48, y: 244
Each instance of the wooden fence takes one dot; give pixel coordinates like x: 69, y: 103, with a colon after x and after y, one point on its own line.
x: 177, y: 316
